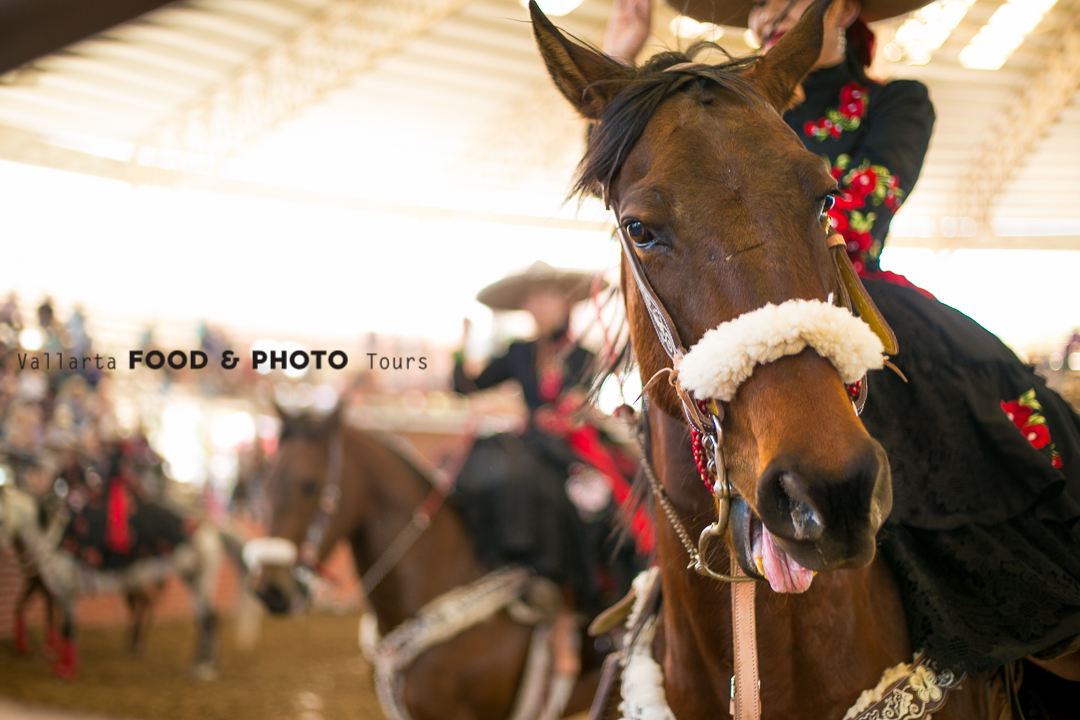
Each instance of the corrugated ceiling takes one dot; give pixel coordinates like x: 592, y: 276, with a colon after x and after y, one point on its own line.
x: 443, y: 106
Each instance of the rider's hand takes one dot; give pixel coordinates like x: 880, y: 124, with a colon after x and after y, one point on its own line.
x: 627, y: 29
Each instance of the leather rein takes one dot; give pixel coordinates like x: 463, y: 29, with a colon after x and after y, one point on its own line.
x: 442, y: 481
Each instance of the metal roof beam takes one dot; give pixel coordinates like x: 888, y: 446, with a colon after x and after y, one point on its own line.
x: 1021, y: 124
x: 23, y: 147
x: 335, y: 44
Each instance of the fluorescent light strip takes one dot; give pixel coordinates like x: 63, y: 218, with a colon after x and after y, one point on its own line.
x: 1004, y: 32
x: 926, y: 31
x: 554, y: 8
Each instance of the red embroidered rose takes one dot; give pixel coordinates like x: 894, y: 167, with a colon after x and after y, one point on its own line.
x: 858, y: 241
x: 1016, y: 412
x: 847, y: 116
x: 1026, y: 414
x: 839, y: 220
x: 864, y: 181
x: 853, y: 109
x: 1037, y: 435
x: 852, y: 92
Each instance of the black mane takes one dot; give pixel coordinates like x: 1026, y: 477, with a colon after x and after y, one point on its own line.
x: 625, y: 117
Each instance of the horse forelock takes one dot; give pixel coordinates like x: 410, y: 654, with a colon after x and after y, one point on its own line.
x: 624, y: 118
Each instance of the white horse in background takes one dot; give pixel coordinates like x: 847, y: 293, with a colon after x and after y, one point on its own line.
x: 197, y: 562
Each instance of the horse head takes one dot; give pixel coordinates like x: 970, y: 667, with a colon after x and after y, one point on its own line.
x: 302, y: 487
x: 722, y: 211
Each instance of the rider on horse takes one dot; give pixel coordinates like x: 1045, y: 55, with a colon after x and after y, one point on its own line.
x: 553, y: 511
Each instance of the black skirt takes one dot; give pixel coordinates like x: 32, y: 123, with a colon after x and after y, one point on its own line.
x: 984, y: 535
x: 153, y: 531
x: 512, y: 495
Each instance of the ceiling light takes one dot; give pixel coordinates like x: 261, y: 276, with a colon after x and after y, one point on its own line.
x: 554, y: 8
x: 926, y: 31
x: 1003, y: 33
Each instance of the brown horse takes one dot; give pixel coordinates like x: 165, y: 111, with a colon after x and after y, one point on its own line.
x: 721, y: 208
x: 473, y: 676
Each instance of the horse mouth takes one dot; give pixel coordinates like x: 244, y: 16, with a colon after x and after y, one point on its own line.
x: 761, y: 556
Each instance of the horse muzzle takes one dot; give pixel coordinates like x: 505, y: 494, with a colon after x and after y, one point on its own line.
x: 277, y: 578
x: 806, y: 522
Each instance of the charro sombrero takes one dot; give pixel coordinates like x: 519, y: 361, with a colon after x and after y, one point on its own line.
x: 735, y: 13
x: 510, y: 292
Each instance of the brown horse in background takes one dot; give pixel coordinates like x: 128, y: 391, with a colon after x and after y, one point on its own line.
x: 724, y: 209
x: 473, y: 676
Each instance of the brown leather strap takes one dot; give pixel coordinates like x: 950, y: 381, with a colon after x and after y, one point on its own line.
x: 614, y: 615
x: 746, y: 705
x: 865, y: 307
x: 665, y: 328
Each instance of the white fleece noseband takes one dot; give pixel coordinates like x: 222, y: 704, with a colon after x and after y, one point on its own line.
x: 727, y: 355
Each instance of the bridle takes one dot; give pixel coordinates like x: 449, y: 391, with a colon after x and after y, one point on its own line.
x: 706, y: 423
x: 330, y: 497
x: 706, y: 427
x: 705, y: 417
x: 329, y: 500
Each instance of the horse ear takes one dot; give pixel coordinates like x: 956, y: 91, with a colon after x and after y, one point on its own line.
x: 329, y: 424
x: 290, y: 423
x: 587, y: 78
x: 779, y: 72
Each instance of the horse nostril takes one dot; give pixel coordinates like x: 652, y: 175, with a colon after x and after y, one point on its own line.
x: 787, y: 508
x: 805, y: 519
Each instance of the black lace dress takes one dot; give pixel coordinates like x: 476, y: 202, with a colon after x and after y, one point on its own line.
x: 984, y: 534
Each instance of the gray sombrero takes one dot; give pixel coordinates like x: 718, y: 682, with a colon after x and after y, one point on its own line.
x: 735, y: 13
x: 510, y: 292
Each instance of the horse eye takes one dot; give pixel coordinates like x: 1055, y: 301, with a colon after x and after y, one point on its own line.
x: 638, y: 233
x: 827, y: 203
x: 309, y: 488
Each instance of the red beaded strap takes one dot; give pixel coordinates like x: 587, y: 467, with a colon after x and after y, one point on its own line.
x: 700, y: 459
x: 853, y: 390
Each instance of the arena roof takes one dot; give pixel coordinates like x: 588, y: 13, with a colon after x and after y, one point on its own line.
x: 441, y: 109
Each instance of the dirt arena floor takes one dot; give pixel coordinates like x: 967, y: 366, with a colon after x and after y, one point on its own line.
x: 302, y: 669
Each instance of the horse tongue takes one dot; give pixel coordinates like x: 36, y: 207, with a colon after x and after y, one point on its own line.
x: 784, y: 574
